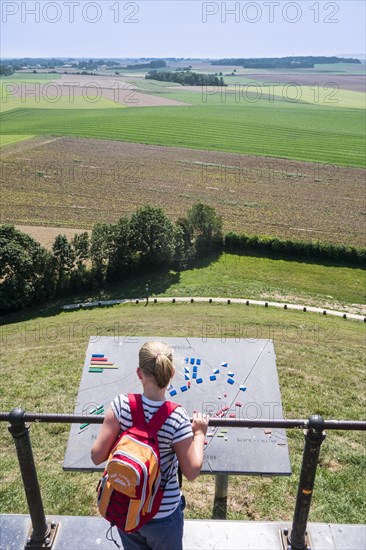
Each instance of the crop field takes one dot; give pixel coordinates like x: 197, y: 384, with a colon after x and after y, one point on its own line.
x: 75, y: 92
x: 51, y: 182
x: 256, y: 90
x: 310, y: 133
x: 63, y: 103
x: 261, y: 93
x: 335, y: 68
x: 10, y: 139
x: 298, y: 118
x: 356, y: 83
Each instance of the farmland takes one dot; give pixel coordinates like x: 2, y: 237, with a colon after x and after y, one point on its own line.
x: 302, y: 116
x: 291, y: 169
x: 51, y: 182
x: 314, y: 134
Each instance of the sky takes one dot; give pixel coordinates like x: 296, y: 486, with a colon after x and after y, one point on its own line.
x: 189, y: 28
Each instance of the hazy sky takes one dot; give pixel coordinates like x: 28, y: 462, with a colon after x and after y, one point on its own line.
x: 189, y: 28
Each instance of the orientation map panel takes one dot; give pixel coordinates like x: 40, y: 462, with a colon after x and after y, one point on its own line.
x: 232, y: 378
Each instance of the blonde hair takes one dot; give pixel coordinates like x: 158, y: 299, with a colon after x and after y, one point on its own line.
x: 156, y: 360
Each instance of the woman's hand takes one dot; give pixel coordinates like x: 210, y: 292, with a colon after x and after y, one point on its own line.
x: 199, y: 423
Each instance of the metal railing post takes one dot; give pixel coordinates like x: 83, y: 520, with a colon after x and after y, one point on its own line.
x: 314, y: 437
x: 41, y: 533
x: 220, y: 500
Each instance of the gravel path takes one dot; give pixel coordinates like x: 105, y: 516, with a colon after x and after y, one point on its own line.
x: 243, y: 301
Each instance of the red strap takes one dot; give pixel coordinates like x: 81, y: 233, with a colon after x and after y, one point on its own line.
x: 156, y: 422
x: 137, y: 409
x: 161, y: 415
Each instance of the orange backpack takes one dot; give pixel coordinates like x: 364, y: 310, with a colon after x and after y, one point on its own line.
x: 129, y: 492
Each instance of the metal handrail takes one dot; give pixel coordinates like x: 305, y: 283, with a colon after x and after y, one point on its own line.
x: 43, y: 534
x: 67, y: 418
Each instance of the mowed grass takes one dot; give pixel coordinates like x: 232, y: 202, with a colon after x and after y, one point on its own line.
x: 58, y: 102
x: 11, y: 139
x: 266, y: 278
x: 327, y: 97
x: 310, y: 133
x: 38, y: 92
x: 320, y: 365
x: 235, y: 276
x: 241, y: 90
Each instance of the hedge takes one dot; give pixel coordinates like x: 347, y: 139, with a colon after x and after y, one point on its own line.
x: 310, y: 249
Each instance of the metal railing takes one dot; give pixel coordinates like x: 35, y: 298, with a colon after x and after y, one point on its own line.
x: 43, y: 534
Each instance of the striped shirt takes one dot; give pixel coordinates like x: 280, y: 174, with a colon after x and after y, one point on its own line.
x: 176, y: 428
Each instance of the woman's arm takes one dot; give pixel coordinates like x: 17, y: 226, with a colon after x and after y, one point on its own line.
x: 106, y: 437
x: 190, y: 451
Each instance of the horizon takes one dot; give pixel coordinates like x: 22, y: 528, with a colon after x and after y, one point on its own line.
x: 360, y: 57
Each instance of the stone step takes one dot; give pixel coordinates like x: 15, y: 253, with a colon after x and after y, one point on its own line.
x: 88, y: 533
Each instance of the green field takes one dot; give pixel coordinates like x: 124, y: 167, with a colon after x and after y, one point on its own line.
x: 34, y: 95
x: 241, y: 90
x: 310, y: 133
x: 321, y: 370
x: 235, y: 276
x: 246, y: 276
x: 342, y: 68
x: 10, y: 139
x: 64, y: 103
x: 328, y: 68
x: 318, y: 126
x: 316, y: 95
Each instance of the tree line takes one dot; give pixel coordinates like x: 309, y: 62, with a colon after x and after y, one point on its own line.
x: 6, y: 70
x: 30, y: 274
x: 154, y: 64
x: 299, y: 62
x: 186, y: 78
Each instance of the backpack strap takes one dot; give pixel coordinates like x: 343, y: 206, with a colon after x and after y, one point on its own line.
x: 137, y: 409
x: 161, y: 415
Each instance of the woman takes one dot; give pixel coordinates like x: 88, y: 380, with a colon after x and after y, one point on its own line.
x: 179, y: 442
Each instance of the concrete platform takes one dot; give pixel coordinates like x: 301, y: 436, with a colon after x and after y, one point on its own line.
x: 88, y: 533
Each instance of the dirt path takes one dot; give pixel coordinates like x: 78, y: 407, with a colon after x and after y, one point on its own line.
x: 46, y: 235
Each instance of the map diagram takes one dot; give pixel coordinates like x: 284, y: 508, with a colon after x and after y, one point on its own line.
x: 226, y: 378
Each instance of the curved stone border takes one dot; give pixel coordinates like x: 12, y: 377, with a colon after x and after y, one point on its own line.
x: 247, y: 302
x: 311, y: 309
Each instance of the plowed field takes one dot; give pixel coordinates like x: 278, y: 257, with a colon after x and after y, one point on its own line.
x: 74, y: 183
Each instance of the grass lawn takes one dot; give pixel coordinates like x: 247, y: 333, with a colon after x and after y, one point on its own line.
x: 321, y: 370
x: 235, y: 276
x: 266, y: 278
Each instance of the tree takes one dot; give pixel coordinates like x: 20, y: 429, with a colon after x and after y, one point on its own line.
x: 64, y: 259
x: 102, y: 249
x: 81, y: 248
x: 25, y: 270
x: 152, y: 236
x: 185, y: 249
x: 121, y: 258
x: 206, y: 227
x: 80, y: 277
